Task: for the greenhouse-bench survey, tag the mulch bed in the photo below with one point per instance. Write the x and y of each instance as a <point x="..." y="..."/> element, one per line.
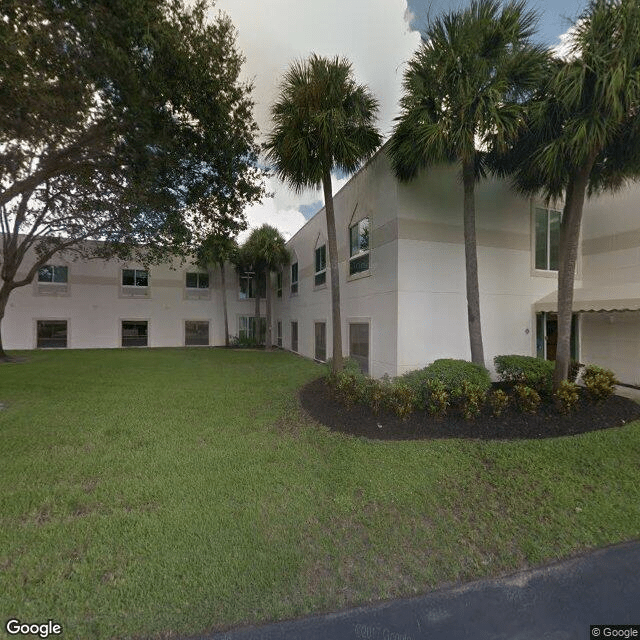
<point x="359" y="420"/>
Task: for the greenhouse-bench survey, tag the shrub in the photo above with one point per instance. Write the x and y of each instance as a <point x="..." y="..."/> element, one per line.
<point x="244" y="342"/>
<point x="451" y="373"/>
<point x="375" y="394"/>
<point x="345" y="387"/>
<point x="567" y="396"/>
<point x="526" y="370"/>
<point x="402" y="399"/>
<point x="498" y="401"/>
<point x="471" y="399"/>
<point x="599" y="382"/>
<point x="574" y="370"/>
<point x="527" y="399"/>
<point x="436" y="398"/>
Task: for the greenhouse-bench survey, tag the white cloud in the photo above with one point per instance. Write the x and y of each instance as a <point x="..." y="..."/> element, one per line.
<point x="564" y="48"/>
<point x="373" y="34"/>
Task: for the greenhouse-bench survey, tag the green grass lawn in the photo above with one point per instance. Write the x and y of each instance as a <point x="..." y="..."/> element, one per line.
<point x="145" y="493"/>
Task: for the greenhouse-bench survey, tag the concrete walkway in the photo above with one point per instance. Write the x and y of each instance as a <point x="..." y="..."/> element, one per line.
<point x="556" y="602"/>
<point x="628" y="392"/>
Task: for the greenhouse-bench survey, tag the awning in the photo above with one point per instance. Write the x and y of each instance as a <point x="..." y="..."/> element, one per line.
<point x="621" y="297"/>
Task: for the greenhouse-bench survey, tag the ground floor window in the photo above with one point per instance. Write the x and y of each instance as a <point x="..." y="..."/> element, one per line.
<point x="52" y="334"/>
<point x="547" y="336"/>
<point x="279" y="333"/>
<point x="135" y="333"/>
<point x="321" y="341"/>
<point x="294" y="336"/>
<point x="359" y="344"/>
<point x="247" y="329"/>
<point x="196" y="333"/>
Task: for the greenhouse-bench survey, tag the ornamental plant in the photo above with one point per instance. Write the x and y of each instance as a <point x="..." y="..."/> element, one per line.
<point x="567" y="396"/>
<point x="600" y="383"/>
<point x="527" y="399"/>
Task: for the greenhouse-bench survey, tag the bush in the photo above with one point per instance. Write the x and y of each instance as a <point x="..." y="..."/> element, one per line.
<point x="375" y="394"/>
<point x="574" y="370"/>
<point x="402" y="399"/>
<point x="244" y="342"/>
<point x="498" y="401"/>
<point x="471" y="399"/>
<point x="599" y="383"/>
<point x="451" y="373"/>
<point x="567" y="396"/>
<point x="526" y="370"/>
<point x="437" y="399"/>
<point x="527" y="399"/>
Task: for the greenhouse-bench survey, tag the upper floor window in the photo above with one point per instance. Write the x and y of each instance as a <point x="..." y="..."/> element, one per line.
<point x="547" y="247"/>
<point x="135" y="278"/>
<point x="359" y="247"/>
<point x="279" y="284"/>
<point x="321" y="265"/>
<point x="248" y="285"/>
<point x="196" y="280"/>
<point x="53" y="273"/>
<point x="294" y="278"/>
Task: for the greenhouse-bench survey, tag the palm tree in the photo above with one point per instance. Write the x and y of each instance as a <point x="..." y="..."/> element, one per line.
<point x="265" y="249"/>
<point x="216" y="249"/>
<point x="582" y="134"/>
<point x="465" y="83"/>
<point x="323" y="120"/>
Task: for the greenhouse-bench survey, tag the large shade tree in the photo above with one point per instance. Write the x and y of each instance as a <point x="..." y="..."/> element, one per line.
<point x="582" y="134"/>
<point x="322" y="120"/>
<point x="464" y="89"/>
<point x="218" y="249"/>
<point x="265" y="250"/>
<point x="121" y="121"/>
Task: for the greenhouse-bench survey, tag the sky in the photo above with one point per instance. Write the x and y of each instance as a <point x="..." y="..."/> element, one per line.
<point x="377" y="36"/>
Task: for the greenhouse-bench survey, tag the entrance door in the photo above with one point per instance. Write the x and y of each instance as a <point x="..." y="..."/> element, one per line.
<point x="547" y="336"/>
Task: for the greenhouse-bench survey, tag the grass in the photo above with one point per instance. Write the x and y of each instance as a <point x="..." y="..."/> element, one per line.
<point x="163" y="493"/>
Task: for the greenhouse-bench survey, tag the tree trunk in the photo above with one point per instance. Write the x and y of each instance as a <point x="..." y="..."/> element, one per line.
<point x="4" y="298"/>
<point x="267" y="274"/>
<point x="471" y="263"/>
<point x="335" y="274"/>
<point x="569" y="237"/>
<point x="224" y="305"/>
<point x="256" y="336"/>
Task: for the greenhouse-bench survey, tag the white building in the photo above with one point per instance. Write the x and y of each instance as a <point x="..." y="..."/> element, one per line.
<point x="402" y="276"/>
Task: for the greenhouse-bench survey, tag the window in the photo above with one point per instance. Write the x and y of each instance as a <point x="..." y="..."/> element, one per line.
<point x="51" y="334"/>
<point x="247" y="329"/>
<point x="321" y="265"/>
<point x="294" y="336"/>
<point x="196" y="280"/>
<point x="53" y="273"/>
<point x="359" y="344"/>
<point x="359" y="247"/>
<point x="279" y="284"/>
<point x="248" y="285"/>
<point x="135" y="278"/>
<point x="547" y="336"/>
<point x="279" y="333"/>
<point x="547" y="239"/>
<point x="294" y="278"/>
<point x="321" y="341"/>
<point x="196" y="333"/>
<point x="135" y="333"/>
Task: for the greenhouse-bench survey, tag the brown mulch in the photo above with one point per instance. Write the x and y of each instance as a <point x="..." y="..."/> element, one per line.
<point x="359" y="420"/>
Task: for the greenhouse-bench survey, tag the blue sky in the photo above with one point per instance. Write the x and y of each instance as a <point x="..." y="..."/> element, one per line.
<point x="377" y="36"/>
<point x="554" y="16"/>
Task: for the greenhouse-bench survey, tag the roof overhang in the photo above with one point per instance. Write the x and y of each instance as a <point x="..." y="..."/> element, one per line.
<point x="623" y="297"/>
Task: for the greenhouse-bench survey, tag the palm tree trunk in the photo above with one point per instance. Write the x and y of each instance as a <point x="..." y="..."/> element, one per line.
<point x="569" y="237"/>
<point x="335" y="274"/>
<point x="256" y="336"/>
<point x="4" y="298"/>
<point x="224" y="305"/>
<point x="471" y="263"/>
<point x="267" y="273"/>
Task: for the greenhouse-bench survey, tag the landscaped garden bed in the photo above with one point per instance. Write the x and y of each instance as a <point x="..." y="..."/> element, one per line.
<point x="456" y="399"/>
<point x="359" y="420"/>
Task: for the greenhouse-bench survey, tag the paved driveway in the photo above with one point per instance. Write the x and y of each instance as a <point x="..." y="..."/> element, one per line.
<point x="557" y="602"/>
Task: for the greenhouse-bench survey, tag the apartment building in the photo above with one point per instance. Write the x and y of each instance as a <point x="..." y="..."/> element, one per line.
<point x="402" y="283"/>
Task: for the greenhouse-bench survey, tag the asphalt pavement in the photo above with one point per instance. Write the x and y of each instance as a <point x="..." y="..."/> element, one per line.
<point x="556" y="602"/>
